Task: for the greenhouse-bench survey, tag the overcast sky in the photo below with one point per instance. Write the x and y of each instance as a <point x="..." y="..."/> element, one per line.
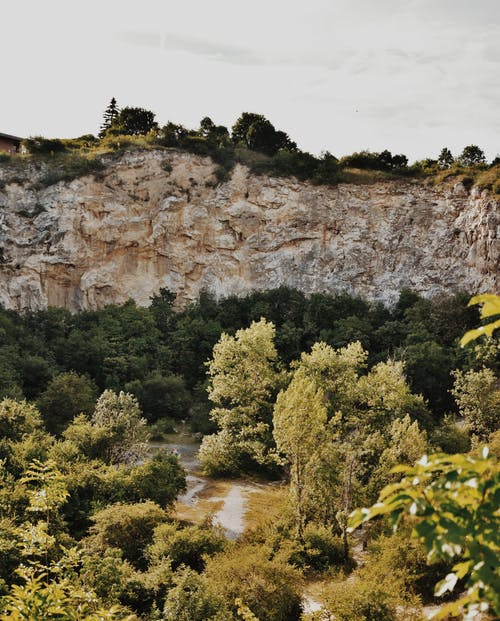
<point x="343" y="75"/>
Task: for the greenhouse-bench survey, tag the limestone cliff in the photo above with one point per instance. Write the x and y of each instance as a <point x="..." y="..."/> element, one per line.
<point x="156" y="219"/>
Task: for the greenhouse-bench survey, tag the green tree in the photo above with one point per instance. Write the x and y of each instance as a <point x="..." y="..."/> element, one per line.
<point x="452" y="503"/>
<point x="134" y="121"/>
<point x="110" y="115"/>
<point x="472" y="155"/>
<point x="129" y="527"/>
<point x="445" y="159"/>
<point x="120" y="416"/>
<point x="299" y="426"/>
<point x="66" y="395"/>
<point x="162" y="396"/>
<point x="243" y="377"/>
<point x="478" y="399"/>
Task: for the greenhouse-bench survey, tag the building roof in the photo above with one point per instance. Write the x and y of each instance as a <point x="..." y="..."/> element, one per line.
<point x="9" y="137"/>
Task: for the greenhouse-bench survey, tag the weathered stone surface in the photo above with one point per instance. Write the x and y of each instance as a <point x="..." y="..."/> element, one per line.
<point x="90" y="242"/>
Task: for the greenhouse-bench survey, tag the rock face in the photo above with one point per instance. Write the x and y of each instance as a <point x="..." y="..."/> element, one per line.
<point x="156" y="219"/>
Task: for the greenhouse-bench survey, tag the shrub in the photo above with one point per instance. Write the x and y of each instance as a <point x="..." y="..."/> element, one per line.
<point x="128" y="527"/>
<point x="270" y="588"/>
<point x="67" y="395"/>
<point x="192" y="600"/>
<point x="186" y="546"/>
<point x="319" y="550"/>
<point x="38" y="145"/>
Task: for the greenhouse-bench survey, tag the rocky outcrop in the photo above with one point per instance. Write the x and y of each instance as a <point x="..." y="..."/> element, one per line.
<point x="156" y="219"/>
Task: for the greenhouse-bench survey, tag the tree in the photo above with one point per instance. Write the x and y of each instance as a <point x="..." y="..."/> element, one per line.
<point x="190" y="599"/>
<point x="452" y="503"/>
<point x="18" y="419"/>
<point x="445" y="159"/>
<point x="120" y="415"/>
<point x="129" y="527"/>
<point x="110" y="115"/>
<point x="243" y="378"/>
<point x="299" y="423"/>
<point x="478" y="399"/>
<point x="472" y="155"/>
<point x="67" y="395"/>
<point x="259" y="134"/>
<point x="240" y="129"/>
<point x="134" y="121"/>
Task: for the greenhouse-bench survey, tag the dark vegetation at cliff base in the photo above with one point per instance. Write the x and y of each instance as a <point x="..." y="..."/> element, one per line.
<point x="63" y="360"/>
<point x="253" y="141"/>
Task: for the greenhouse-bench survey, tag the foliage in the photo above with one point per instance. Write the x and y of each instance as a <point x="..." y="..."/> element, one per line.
<point x="299" y="423"/>
<point x="66" y="395"/>
<point x="128" y="527"/>
<point x="192" y="600"/>
<point x="490" y="308"/>
<point x="445" y="159"/>
<point x="162" y="396"/>
<point x="17" y="419"/>
<point x="452" y="502"/>
<point x="133" y="122"/>
<point x="319" y="548"/>
<point x="38" y="600"/>
<point x="478" y="399"/>
<point x="187" y="546"/>
<point x="110" y="115"/>
<point x="268" y="587"/>
<point x="472" y="155"/>
<point x="38" y="145"/>
<point x="120" y="416"/>
<point x="242" y="380"/>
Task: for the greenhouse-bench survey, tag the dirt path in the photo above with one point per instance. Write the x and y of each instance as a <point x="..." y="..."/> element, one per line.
<point x="225" y="500"/>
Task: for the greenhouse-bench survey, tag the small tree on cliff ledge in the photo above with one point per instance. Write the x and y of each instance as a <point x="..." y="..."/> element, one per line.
<point x="110" y="114"/>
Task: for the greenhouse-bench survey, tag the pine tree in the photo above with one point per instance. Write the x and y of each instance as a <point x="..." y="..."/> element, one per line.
<point x="111" y="113"/>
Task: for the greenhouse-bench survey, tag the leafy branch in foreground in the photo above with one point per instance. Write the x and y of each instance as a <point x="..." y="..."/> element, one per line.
<point x="452" y="502"/>
<point x="490" y="308"/>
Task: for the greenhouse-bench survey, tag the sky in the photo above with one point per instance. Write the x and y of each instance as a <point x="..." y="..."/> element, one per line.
<point x="411" y="76"/>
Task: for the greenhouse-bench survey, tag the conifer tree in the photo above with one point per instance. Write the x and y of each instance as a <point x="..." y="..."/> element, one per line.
<point x="110" y="114"/>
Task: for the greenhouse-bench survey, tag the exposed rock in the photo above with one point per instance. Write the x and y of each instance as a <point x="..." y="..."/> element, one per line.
<point x="137" y="227"/>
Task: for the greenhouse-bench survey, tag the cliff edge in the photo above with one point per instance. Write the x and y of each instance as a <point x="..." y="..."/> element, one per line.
<point x="156" y="219"/>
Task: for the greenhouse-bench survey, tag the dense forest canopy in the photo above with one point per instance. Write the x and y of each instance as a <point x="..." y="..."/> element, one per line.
<point x="63" y="361"/>
<point x="328" y="392"/>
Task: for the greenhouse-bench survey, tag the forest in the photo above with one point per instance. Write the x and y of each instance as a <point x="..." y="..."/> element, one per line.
<point x="329" y="402"/>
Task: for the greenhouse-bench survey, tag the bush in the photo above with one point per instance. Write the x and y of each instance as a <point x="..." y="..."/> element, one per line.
<point x="192" y="600"/>
<point x="67" y="168"/>
<point x="320" y="549"/>
<point x="128" y="527"/>
<point x="38" y="145"/>
<point x="270" y="588"/>
<point x="186" y="546"/>
<point x="67" y="395"/>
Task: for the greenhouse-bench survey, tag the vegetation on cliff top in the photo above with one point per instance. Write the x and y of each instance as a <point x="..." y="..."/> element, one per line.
<point x="253" y="141"/>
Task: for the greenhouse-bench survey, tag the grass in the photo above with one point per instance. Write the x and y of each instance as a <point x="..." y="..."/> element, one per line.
<point x="364" y="177"/>
<point x="265" y="504"/>
<point x="84" y="157"/>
